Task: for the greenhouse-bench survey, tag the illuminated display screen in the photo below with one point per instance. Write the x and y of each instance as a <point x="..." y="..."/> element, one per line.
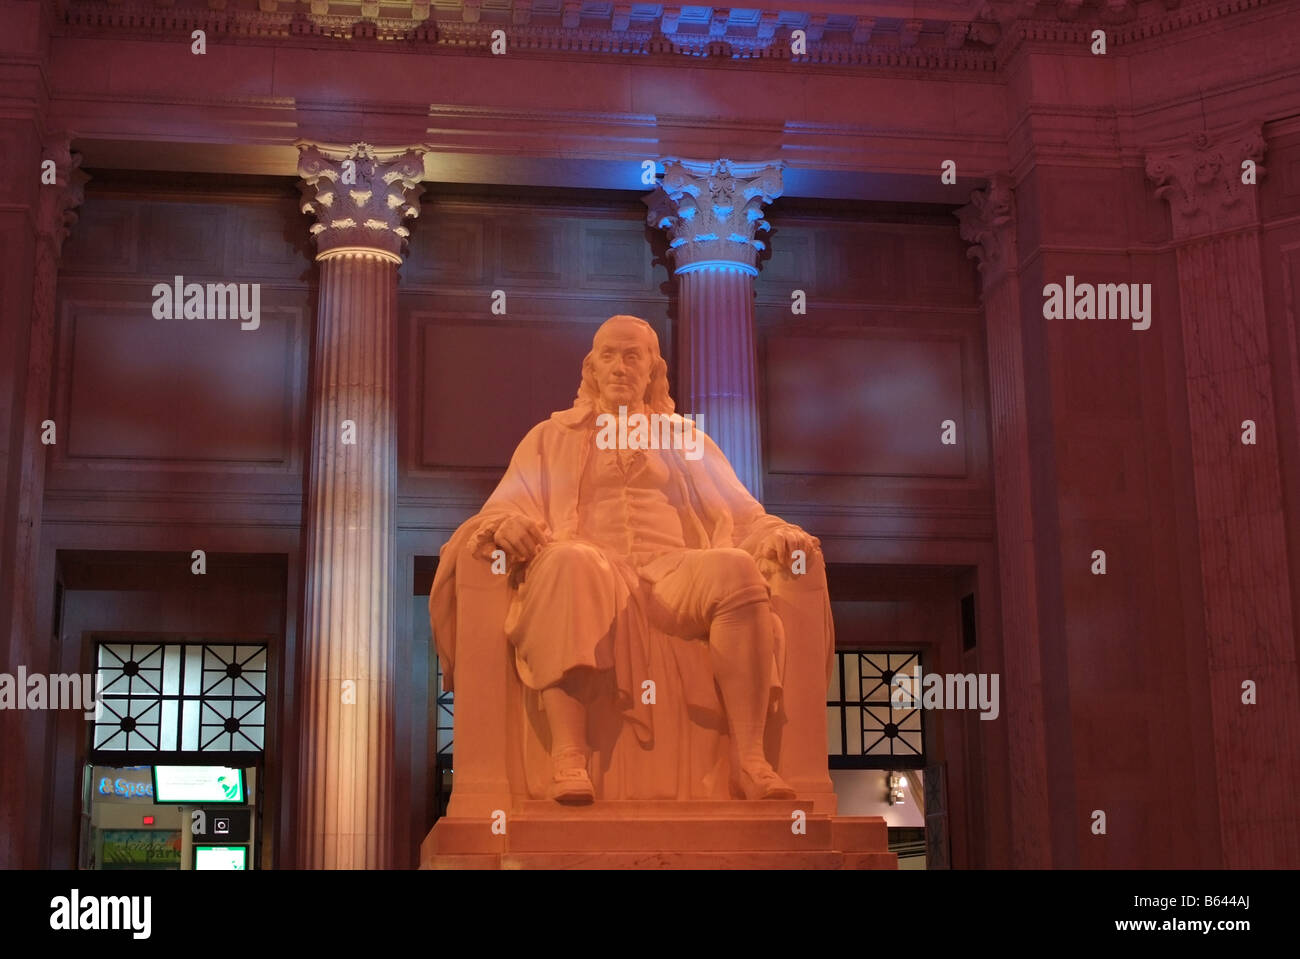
<point x="198" y="784"/>
<point x="221" y="857"/>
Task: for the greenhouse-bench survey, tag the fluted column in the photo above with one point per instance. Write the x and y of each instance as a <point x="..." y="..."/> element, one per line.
<point x="56" y="214"/>
<point x="988" y="224"/>
<point x="45" y="187"/>
<point x="360" y="197"/>
<point x="1241" y="512"/>
<point x="712" y="211"/>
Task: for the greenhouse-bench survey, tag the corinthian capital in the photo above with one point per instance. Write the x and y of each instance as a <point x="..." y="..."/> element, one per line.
<point x="1202" y="178"/>
<point x="988" y="224"/>
<point x="360" y="196"/>
<point x="712" y="211"/>
<point x="59" y="200"/>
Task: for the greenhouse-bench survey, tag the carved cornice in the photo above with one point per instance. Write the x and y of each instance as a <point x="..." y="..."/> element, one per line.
<point x="1041" y="23"/>
<point x="964" y="42"/>
<point x="887" y="49"/>
<point x="712" y="211"/>
<point x="1201" y="178"/>
<point x="988" y="224"/>
<point x="58" y="201"/>
<point x="360" y="196"/>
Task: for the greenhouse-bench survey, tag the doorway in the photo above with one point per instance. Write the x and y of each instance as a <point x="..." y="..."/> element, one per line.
<point x="177" y="765"/>
<point x="170" y="817"/>
<point x="915" y="760"/>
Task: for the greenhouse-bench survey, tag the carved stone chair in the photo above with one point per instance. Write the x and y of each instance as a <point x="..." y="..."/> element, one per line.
<point x="500" y="736"/>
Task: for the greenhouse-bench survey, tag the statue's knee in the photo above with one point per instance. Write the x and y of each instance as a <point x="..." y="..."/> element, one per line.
<point x="568" y="559"/>
<point x="738" y="565"/>
<point x="733" y="573"/>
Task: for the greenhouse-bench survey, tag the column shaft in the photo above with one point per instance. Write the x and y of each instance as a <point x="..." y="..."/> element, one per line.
<point x="1240" y="509"/>
<point x="1018" y="550"/>
<point x="360" y="197"/>
<point x="56" y="215"/>
<point x="988" y="223"/>
<point x="713" y="211"/>
<point x="346" y="720"/>
<point x="717" y="364"/>
<point x="20" y="732"/>
<point x="1249" y="622"/>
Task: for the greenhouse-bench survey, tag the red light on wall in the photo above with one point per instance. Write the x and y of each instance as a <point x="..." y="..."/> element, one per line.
<point x="148" y="820"/>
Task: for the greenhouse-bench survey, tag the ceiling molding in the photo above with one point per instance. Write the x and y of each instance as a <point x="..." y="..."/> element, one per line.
<point x="960" y="36"/>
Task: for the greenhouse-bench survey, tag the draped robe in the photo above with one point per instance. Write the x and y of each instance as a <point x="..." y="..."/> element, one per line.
<point x="542" y="484"/>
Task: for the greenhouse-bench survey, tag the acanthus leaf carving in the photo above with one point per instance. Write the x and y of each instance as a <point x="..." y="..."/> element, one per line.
<point x="57" y="212"/>
<point x="1202" y="180"/>
<point x="360" y="196"/>
<point x="988" y="224"/>
<point x="713" y="210"/>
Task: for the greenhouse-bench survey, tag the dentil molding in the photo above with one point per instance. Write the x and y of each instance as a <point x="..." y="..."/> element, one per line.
<point x="980" y="35"/>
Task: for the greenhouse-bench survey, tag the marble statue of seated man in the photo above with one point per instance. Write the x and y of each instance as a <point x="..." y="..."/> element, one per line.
<point x="589" y="529"/>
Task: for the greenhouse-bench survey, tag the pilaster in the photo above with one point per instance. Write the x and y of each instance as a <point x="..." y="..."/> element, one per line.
<point x="1209" y="180"/>
<point x="988" y="223"/>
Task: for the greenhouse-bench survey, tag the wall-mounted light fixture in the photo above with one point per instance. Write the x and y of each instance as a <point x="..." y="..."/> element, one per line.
<point x="897" y="783"/>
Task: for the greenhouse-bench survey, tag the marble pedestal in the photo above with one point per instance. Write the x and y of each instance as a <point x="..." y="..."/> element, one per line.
<point x="660" y="834"/>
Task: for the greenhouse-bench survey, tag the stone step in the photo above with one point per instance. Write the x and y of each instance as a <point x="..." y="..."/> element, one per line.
<point x="448" y="861"/>
<point x="627" y="809"/>
<point x="668" y="860"/>
<point x="677" y="834"/>
<point x="870" y="860"/>
<point x="462" y="837"/>
<point x="674" y="860"/>
<point x="859" y="833"/>
<point x="571" y="831"/>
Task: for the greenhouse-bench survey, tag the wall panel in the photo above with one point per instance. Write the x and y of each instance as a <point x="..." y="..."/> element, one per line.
<point x="863" y="405"/>
<point x="856" y="388"/>
<point x="181" y="410"/>
<point x="154" y="394"/>
<point x="473" y="381"/>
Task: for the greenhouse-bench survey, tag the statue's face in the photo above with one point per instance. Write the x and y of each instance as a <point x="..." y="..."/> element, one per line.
<point x="621" y="358"/>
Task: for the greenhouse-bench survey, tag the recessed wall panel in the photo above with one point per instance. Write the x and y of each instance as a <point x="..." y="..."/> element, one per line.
<point x="872" y="405"/>
<point x="175" y="391"/>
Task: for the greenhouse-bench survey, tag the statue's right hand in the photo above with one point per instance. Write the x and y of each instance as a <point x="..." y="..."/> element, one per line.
<point x="521" y="538"/>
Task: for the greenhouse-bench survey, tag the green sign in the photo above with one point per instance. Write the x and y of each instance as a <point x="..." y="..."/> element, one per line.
<point x="221" y="857"/>
<point x="198" y="784"/>
<point x="141" y="849"/>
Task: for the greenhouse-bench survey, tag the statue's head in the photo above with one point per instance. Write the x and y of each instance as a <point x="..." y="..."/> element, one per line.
<point x="624" y="367"/>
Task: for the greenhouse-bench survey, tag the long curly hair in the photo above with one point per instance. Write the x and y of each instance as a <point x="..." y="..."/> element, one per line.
<point x="657" y="399"/>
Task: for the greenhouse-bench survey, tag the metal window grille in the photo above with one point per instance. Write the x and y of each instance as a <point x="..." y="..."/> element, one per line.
<point x="863" y="726"/>
<point x="864" y="729"/>
<point x="443" y="715"/>
<point x="181" y="697"/>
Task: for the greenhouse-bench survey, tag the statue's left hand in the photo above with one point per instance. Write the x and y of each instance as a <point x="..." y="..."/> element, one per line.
<point x="779" y="545"/>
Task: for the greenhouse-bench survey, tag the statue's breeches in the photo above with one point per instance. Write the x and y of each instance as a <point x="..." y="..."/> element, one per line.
<point x="576" y="601"/>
